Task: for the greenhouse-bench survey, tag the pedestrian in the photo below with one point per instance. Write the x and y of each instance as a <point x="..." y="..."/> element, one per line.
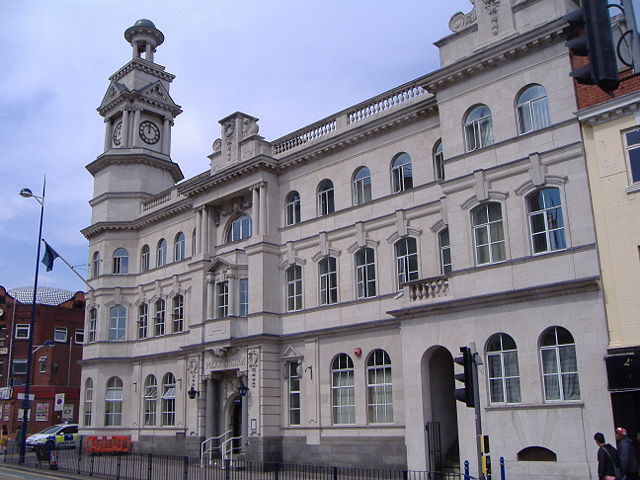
<point x="4" y="439"/>
<point x="627" y="455"/>
<point x="608" y="460"/>
<point x="18" y="437"/>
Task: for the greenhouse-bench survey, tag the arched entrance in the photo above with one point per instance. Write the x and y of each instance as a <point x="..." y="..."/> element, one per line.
<point x="440" y="413"/>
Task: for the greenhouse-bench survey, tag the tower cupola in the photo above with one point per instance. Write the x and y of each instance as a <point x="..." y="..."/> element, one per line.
<point x="144" y="37"/>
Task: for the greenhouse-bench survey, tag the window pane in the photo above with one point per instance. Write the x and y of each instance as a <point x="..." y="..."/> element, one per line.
<point x="551" y="387"/>
<point x="570" y="386"/>
<point x="513" y="390"/>
<point x="549" y="364"/>
<point x="496" y="391"/>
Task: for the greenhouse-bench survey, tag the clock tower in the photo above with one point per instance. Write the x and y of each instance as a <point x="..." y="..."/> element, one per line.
<point x="138" y="114"/>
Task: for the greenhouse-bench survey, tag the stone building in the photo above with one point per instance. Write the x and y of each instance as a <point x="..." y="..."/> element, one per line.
<point x="58" y="335"/>
<point x="332" y="274"/>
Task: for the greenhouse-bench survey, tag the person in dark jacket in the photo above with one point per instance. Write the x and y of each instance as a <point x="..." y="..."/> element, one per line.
<point x="607" y="458"/>
<point x="627" y="455"/>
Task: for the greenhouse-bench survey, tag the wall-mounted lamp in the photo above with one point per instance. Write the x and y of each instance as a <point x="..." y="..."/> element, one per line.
<point x="242" y="389"/>
<point x="193" y="393"/>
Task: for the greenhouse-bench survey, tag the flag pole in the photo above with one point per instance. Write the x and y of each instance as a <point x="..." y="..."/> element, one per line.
<point x="70" y="267"/>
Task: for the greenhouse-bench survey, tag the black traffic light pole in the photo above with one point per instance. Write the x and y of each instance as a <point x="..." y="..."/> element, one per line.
<point x="470" y="394"/>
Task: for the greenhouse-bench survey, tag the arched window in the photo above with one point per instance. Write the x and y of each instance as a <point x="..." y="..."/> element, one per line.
<point x="159" y="317"/>
<point x="150" y="400"/>
<point x="401" y="173"/>
<point x="361" y="186"/>
<point x="537" y="454"/>
<point x="502" y="367"/>
<point x="292" y="208"/>
<point x="294" y="288"/>
<point x="379" y="388"/>
<point x="559" y="365"/>
<point x="545" y="220"/>
<point x="478" y="128"/>
<point x="88" y="402"/>
<point x="145" y="258"/>
<point x="445" y="251"/>
<point x="328" y="281"/>
<point x="113" y="403"/>
<point x="488" y="233"/>
<point x="161" y="253"/>
<point x="239" y="229"/>
<point x="120" y="261"/>
<point x="365" y="261"/>
<point x="438" y="161"/>
<point x="325" y="198"/>
<point x="532" y="107"/>
<point x="343" y="406"/>
<point x="95" y="265"/>
<point x="93" y="320"/>
<point x="117" y="323"/>
<point x="406" y="260"/>
<point x="178" y="314"/>
<point x="143" y="321"/>
<point x="179" y="247"/>
<point x="168" y="400"/>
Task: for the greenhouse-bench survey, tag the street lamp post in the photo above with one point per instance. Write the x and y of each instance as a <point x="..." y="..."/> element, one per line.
<point x="26" y="193"/>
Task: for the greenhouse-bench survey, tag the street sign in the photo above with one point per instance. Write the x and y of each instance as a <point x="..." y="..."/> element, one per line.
<point x="58" y="405"/>
<point x="31" y="396"/>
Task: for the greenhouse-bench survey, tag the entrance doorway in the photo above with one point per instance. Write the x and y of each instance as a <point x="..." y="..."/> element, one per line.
<point x="440" y="413"/>
<point x="235" y="422"/>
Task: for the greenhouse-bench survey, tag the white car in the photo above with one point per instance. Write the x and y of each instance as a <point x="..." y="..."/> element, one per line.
<point x="59" y="436"/>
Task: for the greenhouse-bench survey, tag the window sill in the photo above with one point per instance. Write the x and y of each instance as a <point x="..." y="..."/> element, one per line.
<point x="535" y="406"/>
<point x="633" y="188"/>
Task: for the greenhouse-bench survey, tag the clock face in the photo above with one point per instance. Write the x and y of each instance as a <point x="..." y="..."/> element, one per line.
<point x="117" y="134"/>
<point x="149" y="132"/>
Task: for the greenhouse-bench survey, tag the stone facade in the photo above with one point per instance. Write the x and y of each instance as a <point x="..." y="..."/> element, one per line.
<point x="339" y="296"/>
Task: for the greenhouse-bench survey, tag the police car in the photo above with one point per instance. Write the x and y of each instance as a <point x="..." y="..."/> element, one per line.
<point x="59" y="436"/>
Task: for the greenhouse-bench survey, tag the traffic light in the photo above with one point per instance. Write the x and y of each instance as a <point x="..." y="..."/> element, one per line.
<point x="465" y="394"/>
<point x="591" y="27"/>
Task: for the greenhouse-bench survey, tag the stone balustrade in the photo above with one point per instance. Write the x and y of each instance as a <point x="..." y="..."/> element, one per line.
<point x="428" y="288"/>
<point x="347" y="119"/>
<point x="157" y="200"/>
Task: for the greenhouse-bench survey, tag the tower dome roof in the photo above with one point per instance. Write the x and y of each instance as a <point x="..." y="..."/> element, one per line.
<point x="143" y="22"/>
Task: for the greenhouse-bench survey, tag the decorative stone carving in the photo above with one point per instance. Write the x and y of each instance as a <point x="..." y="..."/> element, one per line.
<point x="217" y="145"/>
<point x="460" y="21"/>
<point x="238" y="205"/>
<point x="249" y="127"/>
<point x="228" y="130"/>
<point x="492" y="6"/>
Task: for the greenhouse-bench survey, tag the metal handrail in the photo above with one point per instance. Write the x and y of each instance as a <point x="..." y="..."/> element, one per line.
<point x="204" y="450"/>
<point x="227" y="449"/>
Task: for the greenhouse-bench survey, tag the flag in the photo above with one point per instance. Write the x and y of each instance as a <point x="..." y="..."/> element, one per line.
<point x="49" y="256"/>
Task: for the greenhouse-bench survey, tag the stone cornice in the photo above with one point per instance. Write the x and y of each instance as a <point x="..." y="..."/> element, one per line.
<point x="134" y="96"/>
<point x="611" y="109"/>
<point x="206" y="181"/>
<point x="539" y="292"/>
<point x="137" y="156"/>
<point x="139" y="223"/>
<point x="144" y="66"/>
<point x="494" y="55"/>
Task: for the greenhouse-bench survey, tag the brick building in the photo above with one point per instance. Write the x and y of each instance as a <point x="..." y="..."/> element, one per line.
<point x="57" y="347"/>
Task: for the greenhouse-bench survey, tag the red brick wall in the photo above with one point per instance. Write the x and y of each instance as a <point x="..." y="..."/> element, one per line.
<point x="588" y="95"/>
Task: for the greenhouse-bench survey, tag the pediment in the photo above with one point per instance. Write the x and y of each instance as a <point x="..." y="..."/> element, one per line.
<point x="290" y="353"/>
<point x="156" y="91"/>
<point x="114" y="90"/>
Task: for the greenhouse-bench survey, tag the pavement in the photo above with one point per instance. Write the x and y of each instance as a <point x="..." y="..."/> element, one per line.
<point x="42" y="471"/>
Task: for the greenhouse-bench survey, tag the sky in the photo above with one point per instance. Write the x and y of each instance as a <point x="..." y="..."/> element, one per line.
<point x="286" y="62"/>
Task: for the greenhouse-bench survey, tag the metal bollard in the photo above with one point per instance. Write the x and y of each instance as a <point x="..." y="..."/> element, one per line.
<point x="466" y="470"/>
<point x="503" y="475"/>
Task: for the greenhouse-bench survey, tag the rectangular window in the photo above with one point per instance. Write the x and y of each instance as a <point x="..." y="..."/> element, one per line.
<point x="93" y="318"/>
<point x="178" y="314"/>
<point x="244" y="297"/>
<point x="143" y="321"/>
<point x="445" y="252"/>
<point x="294" y="288"/>
<point x="328" y="281"/>
<point x="365" y="273"/>
<point x="79" y="337"/>
<point x="159" y="318"/>
<point x="632" y="142"/>
<point x="223" y="299"/>
<point x="22" y="331"/>
<point x="60" y="334"/>
<point x="19" y="366"/>
<point x="294" y="392"/>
